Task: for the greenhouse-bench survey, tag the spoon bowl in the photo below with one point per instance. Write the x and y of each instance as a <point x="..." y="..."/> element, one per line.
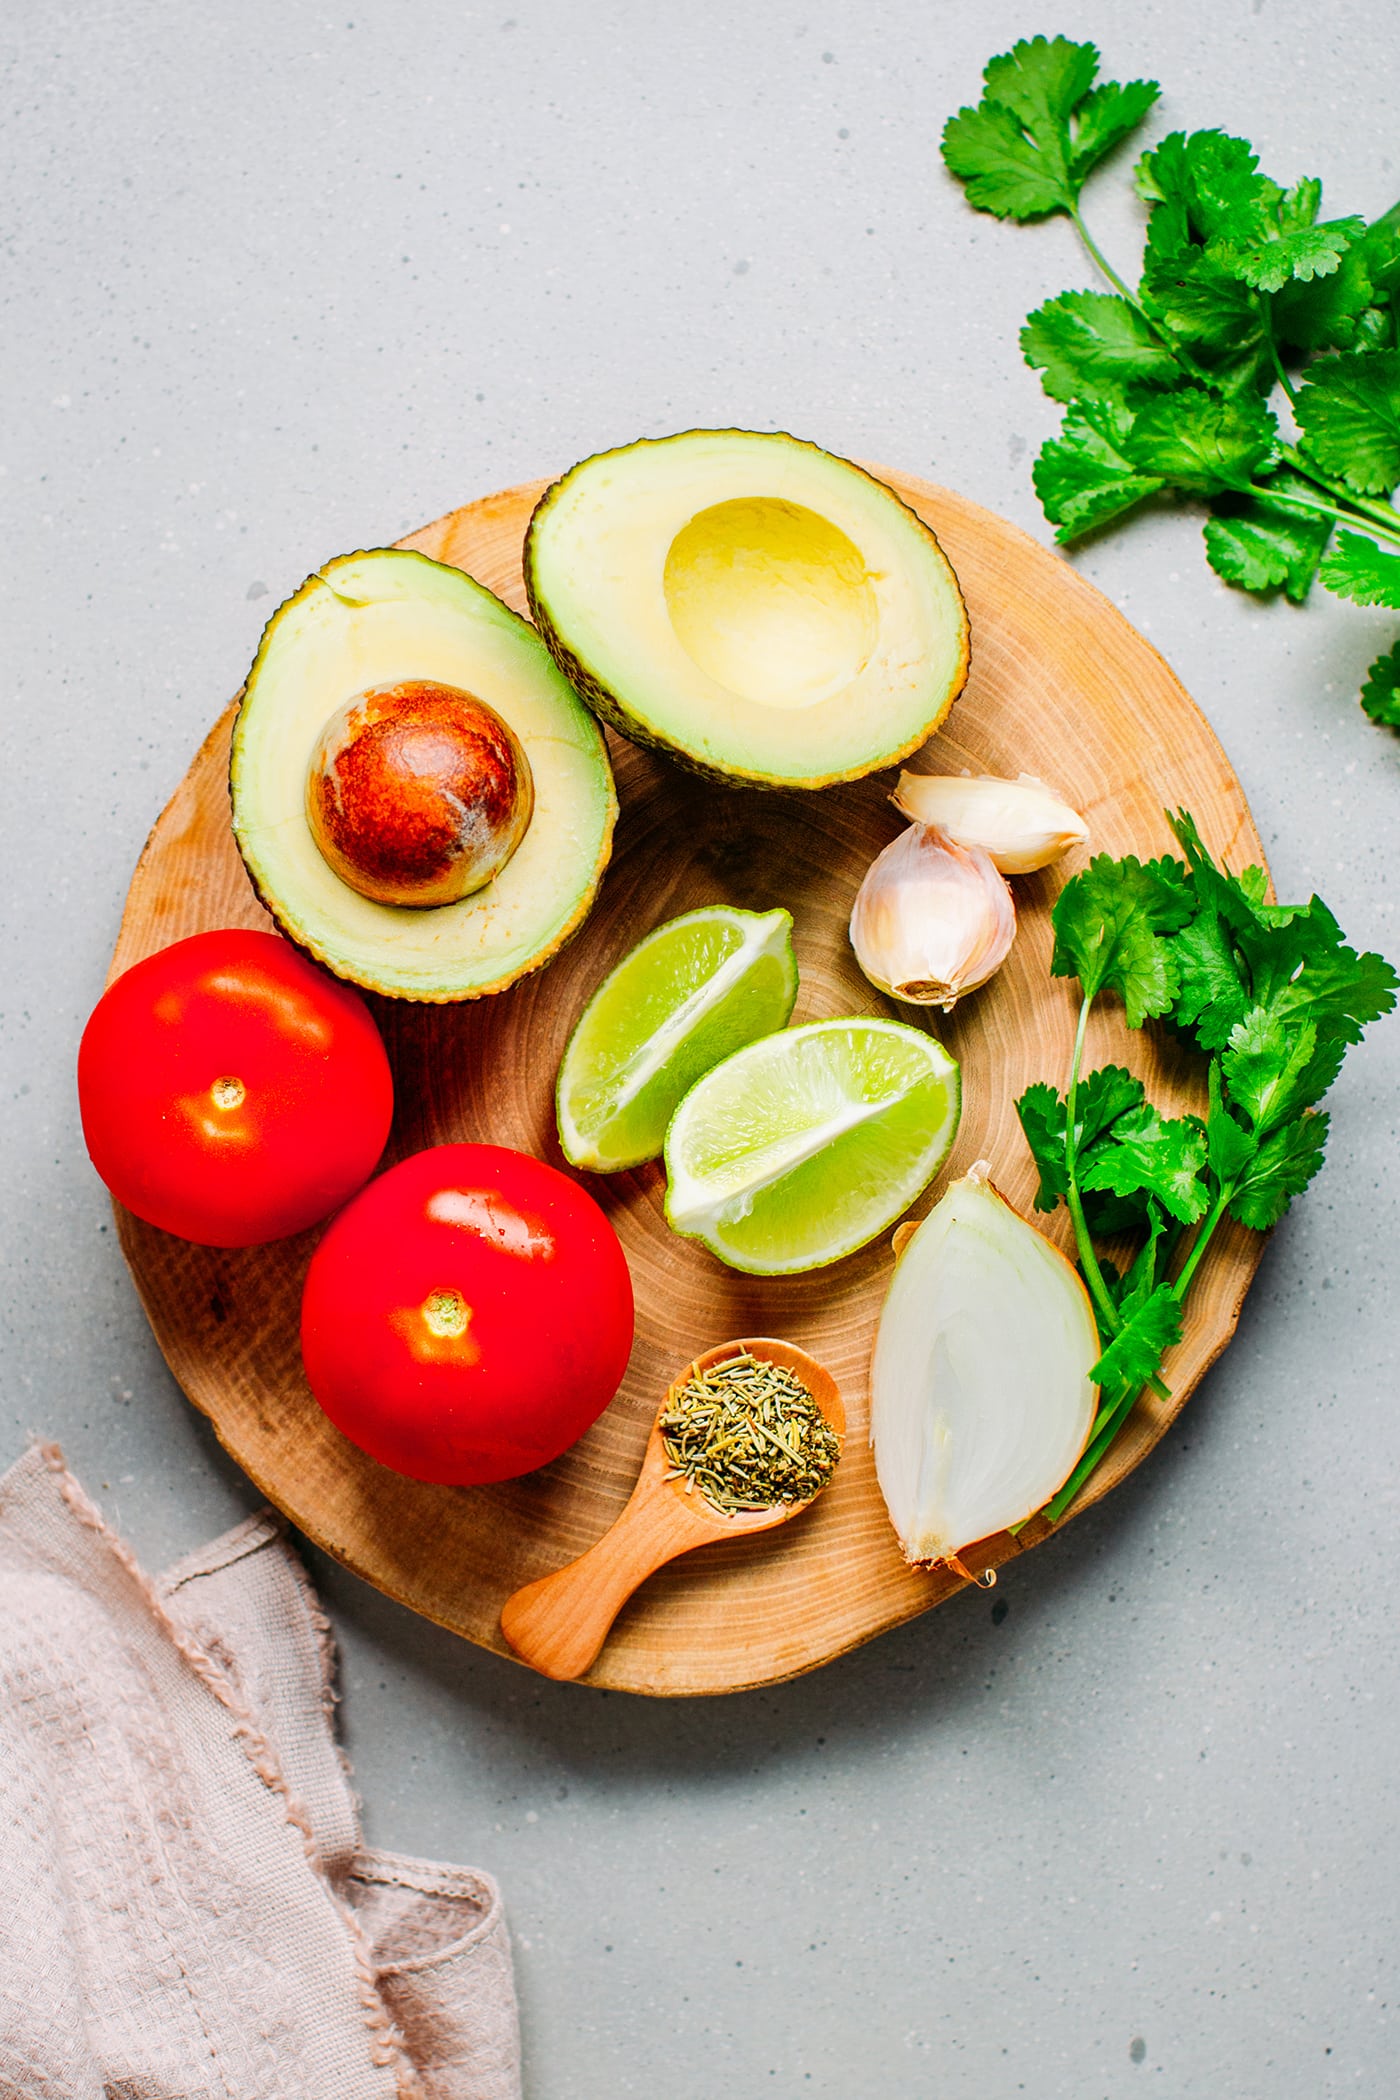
<point x="559" y="1623"/>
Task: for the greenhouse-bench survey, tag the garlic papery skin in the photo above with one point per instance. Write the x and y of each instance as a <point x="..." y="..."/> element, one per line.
<point x="1019" y="824"/>
<point x="932" y="919"/>
<point x="981" y="1399"/>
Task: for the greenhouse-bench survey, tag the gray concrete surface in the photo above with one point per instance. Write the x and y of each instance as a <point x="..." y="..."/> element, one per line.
<point x="287" y="279"/>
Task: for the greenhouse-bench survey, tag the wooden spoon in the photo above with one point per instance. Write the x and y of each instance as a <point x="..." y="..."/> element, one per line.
<point x="559" y="1623"/>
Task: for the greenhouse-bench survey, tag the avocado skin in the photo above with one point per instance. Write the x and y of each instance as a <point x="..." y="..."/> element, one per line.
<point x="326" y="958"/>
<point x="602" y="702"/>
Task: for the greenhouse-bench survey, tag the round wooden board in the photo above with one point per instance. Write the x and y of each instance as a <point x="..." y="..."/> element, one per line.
<point x="1061" y="686"/>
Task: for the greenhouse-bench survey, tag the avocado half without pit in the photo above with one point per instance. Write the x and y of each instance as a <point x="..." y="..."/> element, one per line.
<point x="760" y="609"/>
<point x="421" y="801"/>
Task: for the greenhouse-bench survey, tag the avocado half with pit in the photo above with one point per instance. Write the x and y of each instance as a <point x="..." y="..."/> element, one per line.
<point x="756" y="607"/>
<point x="392" y="621"/>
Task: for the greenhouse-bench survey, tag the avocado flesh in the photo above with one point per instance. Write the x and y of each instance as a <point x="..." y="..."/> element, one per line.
<point x="764" y="611"/>
<point x="375" y="618"/>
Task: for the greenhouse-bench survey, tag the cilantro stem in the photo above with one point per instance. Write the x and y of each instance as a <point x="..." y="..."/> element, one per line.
<point x="1109" y="1420"/>
<point x="1190" y="365"/>
<point x="1203" y="1240"/>
<point x="1107" y="1423"/>
<point x="1384" y="515"/>
<point x="1266" y="318"/>
<point x="1097" y="255"/>
<point x="1104" y="1307"/>
<point x="1381" y="518"/>
<point x="1354" y="515"/>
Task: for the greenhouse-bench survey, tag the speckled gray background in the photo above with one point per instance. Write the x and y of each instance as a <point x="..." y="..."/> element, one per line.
<point x="281" y="281"/>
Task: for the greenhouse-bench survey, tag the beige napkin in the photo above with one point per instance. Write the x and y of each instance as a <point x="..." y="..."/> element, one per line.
<point x="186" y="1910"/>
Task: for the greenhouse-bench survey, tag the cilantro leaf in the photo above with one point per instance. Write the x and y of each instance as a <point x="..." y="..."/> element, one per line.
<point x="1040" y="80"/>
<point x="1204" y="186"/>
<point x="1336" y="989"/>
<point x="1300" y="206"/>
<point x="1274" y="1067"/>
<point x="1358" y="569"/>
<point x="1305" y="253"/>
<point x="1141" y="1280"/>
<point x="1218" y="233"/>
<point x="1163" y="1158"/>
<point x="1349" y="411"/>
<point x="1281" y="1169"/>
<point x="1290" y="961"/>
<point x="1261" y="544"/>
<point x="1162" y="180"/>
<point x="1083" y="477"/>
<point x="1006" y="173"/>
<point x="1238" y="901"/>
<point x="1229" y="1146"/>
<point x="1228" y="199"/>
<point x="1212" y="996"/>
<point x="1382" y="248"/>
<point x="1325" y="312"/>
<point x="1089" y="343"/>
<point x="1042" y="1113"/>
<point x="1211" y="315"/>
<point x="1380" y="696"/>
<point x="1040" y="128"/>
<point x="1104" y="119"/>
<point x="1099" y="1101"/>
<point x="1133" y="1355"/>
<point x="1376" y="329"/>
<point x="1106" y="924"/>
<point x="1105" y="1099"/>
<point x="1198" y="441"/>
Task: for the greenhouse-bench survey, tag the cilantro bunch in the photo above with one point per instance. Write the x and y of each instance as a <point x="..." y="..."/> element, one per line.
<point x="1248" y="304"/>
<point x="1273" y="997"/>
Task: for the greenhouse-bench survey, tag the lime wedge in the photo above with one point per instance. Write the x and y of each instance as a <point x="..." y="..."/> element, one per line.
<point x="802" y="1147"/>
<point x="687" y="996"/>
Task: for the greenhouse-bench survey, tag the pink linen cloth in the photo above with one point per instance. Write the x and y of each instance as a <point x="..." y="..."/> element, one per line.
<point x="186" y="1909"/>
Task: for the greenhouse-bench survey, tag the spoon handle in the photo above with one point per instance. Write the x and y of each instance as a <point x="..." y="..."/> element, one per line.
<point x="559" y="1623"/>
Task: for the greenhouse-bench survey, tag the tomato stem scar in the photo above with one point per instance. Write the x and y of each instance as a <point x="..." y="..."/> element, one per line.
<point x="445" y="1313"/>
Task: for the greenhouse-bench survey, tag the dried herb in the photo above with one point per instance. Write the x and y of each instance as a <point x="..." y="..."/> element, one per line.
<point x="749" y="1434"/>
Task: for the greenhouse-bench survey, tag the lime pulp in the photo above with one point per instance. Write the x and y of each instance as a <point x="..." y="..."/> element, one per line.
<point x="801" y="1147"/>
<point x="685" y="998"/>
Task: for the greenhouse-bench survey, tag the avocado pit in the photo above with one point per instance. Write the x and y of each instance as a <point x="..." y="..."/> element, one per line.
<point x="417" y="793"/>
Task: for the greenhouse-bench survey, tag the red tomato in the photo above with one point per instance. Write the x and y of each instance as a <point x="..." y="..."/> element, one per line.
<point x="231" y="1091"/>
<point x="468" y="1315"/>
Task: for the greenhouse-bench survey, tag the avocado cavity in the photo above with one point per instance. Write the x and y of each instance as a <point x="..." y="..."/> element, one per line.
<point x="772" y="601"/>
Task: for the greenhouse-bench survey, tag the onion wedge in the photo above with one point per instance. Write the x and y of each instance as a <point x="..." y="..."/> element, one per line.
<point x="981" y="1399"/>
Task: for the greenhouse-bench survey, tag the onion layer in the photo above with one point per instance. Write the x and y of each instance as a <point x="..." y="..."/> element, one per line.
<point x="981" y="1399"/>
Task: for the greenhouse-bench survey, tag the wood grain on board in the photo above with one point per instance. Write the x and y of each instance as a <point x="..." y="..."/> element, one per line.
<point x="1061" y="686"/>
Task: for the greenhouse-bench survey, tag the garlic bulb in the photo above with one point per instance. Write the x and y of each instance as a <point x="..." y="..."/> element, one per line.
<point x="1019" y="824"/>
<point x="981" y="1399"/>
<point x="932" y="919"/>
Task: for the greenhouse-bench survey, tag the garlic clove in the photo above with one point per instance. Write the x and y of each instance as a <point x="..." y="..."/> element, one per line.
<point x="1021" y="824"/>
<point x="981" y="1399"/>
<point x="932" y="920"/>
